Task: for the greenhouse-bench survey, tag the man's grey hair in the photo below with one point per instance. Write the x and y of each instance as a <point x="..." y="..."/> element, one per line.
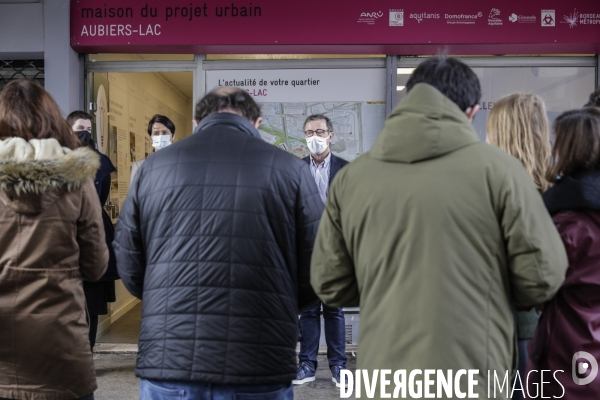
<point x="319" y="117"/>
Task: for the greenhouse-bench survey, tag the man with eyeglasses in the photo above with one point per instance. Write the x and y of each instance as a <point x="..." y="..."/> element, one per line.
<point x="318" y="131"/>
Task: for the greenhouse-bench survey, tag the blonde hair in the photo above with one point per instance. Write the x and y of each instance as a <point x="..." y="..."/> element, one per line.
<point x="518" y="125"/>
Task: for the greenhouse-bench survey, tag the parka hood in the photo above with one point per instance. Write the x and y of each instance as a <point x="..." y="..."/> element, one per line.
<point x="33" y="174"/>
<point x="426" y="124"/>
<point x="577" y="192"/>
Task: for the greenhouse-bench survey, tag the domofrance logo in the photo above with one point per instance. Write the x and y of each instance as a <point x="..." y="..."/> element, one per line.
<point x="580" y="368"/>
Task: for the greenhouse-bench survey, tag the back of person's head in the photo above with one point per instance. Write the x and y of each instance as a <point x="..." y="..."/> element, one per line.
<point x="518" y="125"/>
<point x="576" y="142"/>
<point x="29" y="112"/>
<point x="233" y="100"/>
<point x="161" y="119"/>
<point x="594" y="100"/>
<point x="453" y="78"/>
<point x="75" y="115"/>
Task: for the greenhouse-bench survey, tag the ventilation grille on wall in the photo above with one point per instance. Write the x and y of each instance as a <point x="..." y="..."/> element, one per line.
<point x="21" y="69"/>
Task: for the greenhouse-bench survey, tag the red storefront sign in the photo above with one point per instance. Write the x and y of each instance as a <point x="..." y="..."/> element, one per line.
<point x="318" y="26"/>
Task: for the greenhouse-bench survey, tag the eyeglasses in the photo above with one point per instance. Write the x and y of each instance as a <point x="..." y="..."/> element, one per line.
<point x="319" y="132"/>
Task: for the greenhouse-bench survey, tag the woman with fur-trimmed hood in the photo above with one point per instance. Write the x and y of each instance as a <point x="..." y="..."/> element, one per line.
<point x="51" y="235"/>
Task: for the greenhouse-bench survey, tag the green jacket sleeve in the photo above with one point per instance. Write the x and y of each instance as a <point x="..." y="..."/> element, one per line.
<point x="536" y="256"/>
<point x="332" y="269"/>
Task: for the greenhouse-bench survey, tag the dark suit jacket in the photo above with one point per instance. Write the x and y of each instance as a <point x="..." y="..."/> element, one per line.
<point x="335" y="165"/>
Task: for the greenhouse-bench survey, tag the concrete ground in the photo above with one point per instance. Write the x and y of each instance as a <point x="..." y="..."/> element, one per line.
<point x="117" y="381"/>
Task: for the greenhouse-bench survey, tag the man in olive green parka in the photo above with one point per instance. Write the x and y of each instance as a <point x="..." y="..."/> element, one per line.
<point x="436" y="236"/>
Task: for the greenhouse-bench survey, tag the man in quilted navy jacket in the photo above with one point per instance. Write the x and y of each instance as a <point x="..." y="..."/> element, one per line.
<point x="216" y="236"/>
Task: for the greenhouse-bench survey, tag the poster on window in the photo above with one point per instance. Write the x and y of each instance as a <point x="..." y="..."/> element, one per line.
<point x="353" y="99"/>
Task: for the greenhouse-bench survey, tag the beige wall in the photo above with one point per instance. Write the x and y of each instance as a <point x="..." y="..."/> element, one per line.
<point x="139" y="96"/>
<point x="161" y="89"/>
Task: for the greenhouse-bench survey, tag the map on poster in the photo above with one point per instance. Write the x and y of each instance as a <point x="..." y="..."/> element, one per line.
<point x="283" y="126"/>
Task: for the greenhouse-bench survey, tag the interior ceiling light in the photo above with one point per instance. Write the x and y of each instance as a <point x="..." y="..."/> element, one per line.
<point x="405" y="71"/>
<point x="399" y="88"/>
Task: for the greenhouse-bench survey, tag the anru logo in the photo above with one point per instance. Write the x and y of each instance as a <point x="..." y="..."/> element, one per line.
<point x="513" y="17"/>
<point x="372" y="15"/>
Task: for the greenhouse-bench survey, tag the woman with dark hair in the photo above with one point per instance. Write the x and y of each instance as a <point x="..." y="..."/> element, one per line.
<point x="98" y="294"/>
<point x="162" y="131"/>
<point x="51" y="235"/>
<point x="570" y="322"/>
<point x="594" y="99"/>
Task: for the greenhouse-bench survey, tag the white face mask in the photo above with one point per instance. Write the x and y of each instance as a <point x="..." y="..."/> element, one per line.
<point x="161" y="141"/>
<point x="316" y="144"/>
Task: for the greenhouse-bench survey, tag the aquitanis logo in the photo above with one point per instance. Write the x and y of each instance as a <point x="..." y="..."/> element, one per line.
<point x="421" y="16"/>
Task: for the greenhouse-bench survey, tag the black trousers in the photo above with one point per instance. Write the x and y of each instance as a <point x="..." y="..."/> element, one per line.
<point x="93" y="330"/>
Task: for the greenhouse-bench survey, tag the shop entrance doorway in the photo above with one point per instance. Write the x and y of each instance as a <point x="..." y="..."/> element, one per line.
<point x="124" y="92"/>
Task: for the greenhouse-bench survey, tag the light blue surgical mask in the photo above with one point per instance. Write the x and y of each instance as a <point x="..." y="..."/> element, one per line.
<point x="161" y="141"/>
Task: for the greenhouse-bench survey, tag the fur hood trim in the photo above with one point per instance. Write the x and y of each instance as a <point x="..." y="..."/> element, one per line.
<point x="41" y="165"/>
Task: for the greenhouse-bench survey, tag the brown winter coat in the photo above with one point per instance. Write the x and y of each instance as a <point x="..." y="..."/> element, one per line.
<point x="51" y="235"/>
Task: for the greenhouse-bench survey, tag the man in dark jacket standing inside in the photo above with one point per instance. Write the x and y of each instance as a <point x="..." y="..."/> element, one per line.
<point x="318" y="131"/>
<point x="436" y="235"/>
<point x="216" y="237"/>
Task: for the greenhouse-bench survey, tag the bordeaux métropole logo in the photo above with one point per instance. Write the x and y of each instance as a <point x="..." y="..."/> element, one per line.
<point x="438" y="384"/>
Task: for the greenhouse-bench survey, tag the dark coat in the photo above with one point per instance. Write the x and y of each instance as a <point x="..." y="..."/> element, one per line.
<point x="51" y="235"/>
<point x="102" y="183"/>
<point x="571" y="320"/>
<point x="336" y="164"/>
<point x="216" y="235"/>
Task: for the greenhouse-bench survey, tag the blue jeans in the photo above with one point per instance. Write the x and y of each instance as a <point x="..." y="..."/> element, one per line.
<point x="335" y="335"/>
<point x="177" y="390"/>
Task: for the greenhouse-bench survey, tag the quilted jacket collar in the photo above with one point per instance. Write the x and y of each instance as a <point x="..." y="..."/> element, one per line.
<point x="228" y="119"/>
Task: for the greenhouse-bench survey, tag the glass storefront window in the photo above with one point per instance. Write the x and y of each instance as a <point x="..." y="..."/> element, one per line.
<point x="562" y="88"/>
